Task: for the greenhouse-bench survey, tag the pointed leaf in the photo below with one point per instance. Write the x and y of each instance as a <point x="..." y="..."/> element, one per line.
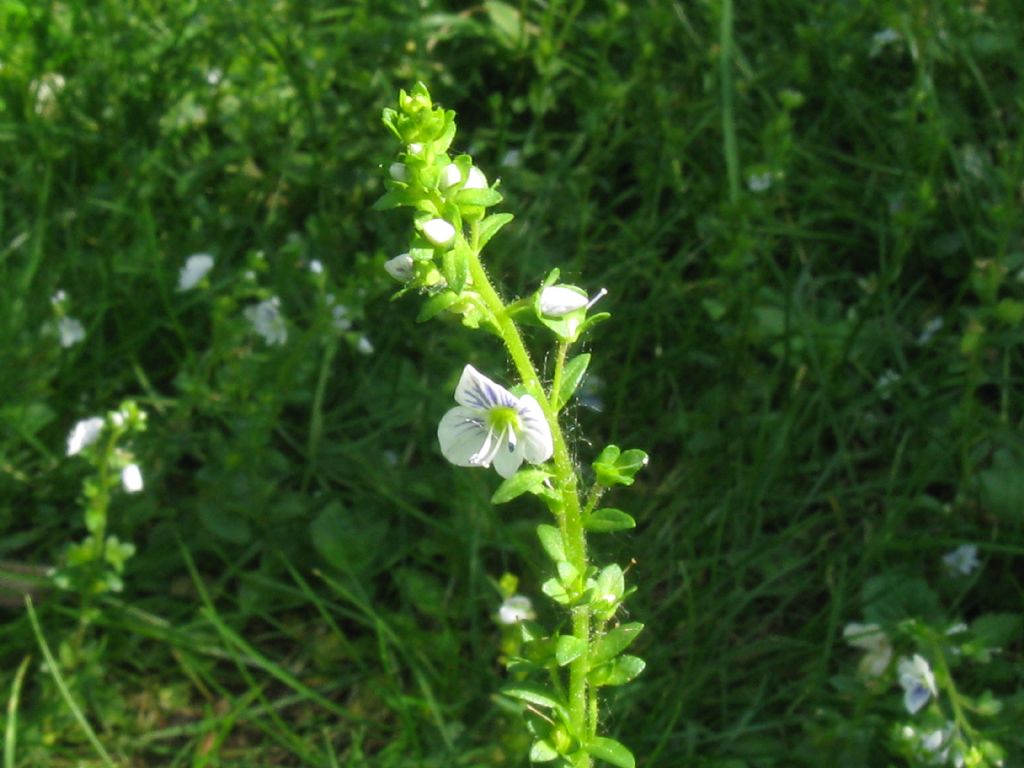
<point x="543" y="751"/>
<point x="523" y="481"/>
<point x="569" y="649"/>
<point x="435" y="305"/>
<point x="489" y="227"/>
<point x="537" y="696"/>
<point x="611" y="644"/>
<point x="609" y="521"/>
<point x="483" y="198"/>
<point x="571" y="378"/>
<point x="551" y="540"/>
<point x="611" y="751"/>
<point x="553" y="588"/>
<point x="617" y="672"/>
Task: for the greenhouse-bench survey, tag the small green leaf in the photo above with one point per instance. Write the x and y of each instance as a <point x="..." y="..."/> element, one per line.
<point x="543" y="751"/>
<point x="571" y="378"/>
<point x="437" y="304"/>
<point x="611" y="644"/>
<point x="455" y="266"/>
<point x="395" y="198"/>
<point x="569" y="649"/>
<point x="609" y="521"/>
<point x="615" y="467"/>
<point x="611" y="751"/>
<point x="617" y="672"/>
<point x="567" y="573"/>
<point x="524" y="481"/>
<point x="482" y="198"/>
<point x="489" y="227"/>
<point x="553" y="588"/>
<point x="537" y="696"/>
<point x="551" y="540"/>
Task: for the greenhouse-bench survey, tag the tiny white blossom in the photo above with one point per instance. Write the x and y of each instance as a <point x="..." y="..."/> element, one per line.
<point x="918" y="682"/>
<point x="400" y="267"/>
<point x="83" y="434"/>
<point x="963" y="560"/>
<point x="515" y="609"/>
<point x="491" y="425"/>
<point x="70" y="330"/>
<point x="932" y="327"/>
<point x="398" y="172"/>
<point x="214" y="76"/>
<point x="759" y="182"/>
<point x="340" y="314"/>
<point x="451" y="175"/>
<point x="364" y="346"/>
<point x="59" y="298"/>
<point x="46" y="88"/>
<point x="559" y="300"/>
<point x="131" y="478"/>
<point x="881" y="39"/>
<point x="512" y="158"/>
<point x="439" y="232"/>
<point x="196" y="268"/>
<point x="886" y="383"/>
<point x="266" y="319"/>
<point x="871" y="639"/>
<point x="316" y="267"/>
<point x="415" y="148"/>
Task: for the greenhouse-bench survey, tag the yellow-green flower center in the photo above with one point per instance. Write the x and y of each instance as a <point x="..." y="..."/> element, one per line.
<point x="502" y="417"/>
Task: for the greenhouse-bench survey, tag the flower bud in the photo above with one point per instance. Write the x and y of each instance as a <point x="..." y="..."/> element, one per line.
<point x="451" y="175"/>
<point x="560" y="300"/>
<point x="439" y="232"/>
<point x="400" y="267"/>
<point x="398" y="172"/>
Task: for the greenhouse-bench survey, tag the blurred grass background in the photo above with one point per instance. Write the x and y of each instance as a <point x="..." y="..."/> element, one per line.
<point x="808" y="219"/>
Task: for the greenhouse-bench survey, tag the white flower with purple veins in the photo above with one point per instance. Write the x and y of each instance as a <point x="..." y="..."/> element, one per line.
<point x="196" y="268"/>
<point x="490" y="425"/>
<point x="917" y="681"/>
<point x="516" y="609"/>
<point x="83" y="434"/>
<point x="400" y="267"/>
<point x="70" y="330"/>
<point x="963" y="560"/>
<point x="266" y="319"/>
<point x="871" y="639"/>
<point x="131" y="478"/>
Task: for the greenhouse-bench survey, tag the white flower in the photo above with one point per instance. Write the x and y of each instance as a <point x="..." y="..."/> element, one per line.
<point x="195" y="269"/>
<point x="267" y="321"/>
<point x="870" y="638"/>
<point x="451" y="175"/>
<point x="46" y="88"/>
<point x="83" y="434"/>
<point x="415" y="148"/>
<point x="316" y="267"/>
<point x="512" y="158"/>
<point x="491" y="425"/>
<point x="932" y="327"/>
<point x="398" y="172"/>
<point x="759" y="182"/>
<point x="962" y="560"/>
<point x="516" y="609"/>
<point x="881" y="39"/>
<point x="59" y="298"/>
<point x="917" y="681"/>
<point x="364" y="346"/>
<point x="131" y="478"/>
<point x="70" y="330"/>
<point x="438" y="231"/>
<point x="559" y="300"/>
<point x="400" y="267"/>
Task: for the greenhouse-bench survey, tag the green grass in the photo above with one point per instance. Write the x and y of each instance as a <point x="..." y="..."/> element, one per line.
<point x="314" y="585"/>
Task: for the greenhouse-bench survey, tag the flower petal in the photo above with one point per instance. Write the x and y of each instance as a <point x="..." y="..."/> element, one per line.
<point x="536" y="430"/>
<point x="475" y="390"/>
<point x="509" y="456"/>
<point x="462" y="434"/>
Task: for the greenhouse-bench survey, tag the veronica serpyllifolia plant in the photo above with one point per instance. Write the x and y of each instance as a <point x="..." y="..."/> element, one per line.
<point x="560" y="671"/>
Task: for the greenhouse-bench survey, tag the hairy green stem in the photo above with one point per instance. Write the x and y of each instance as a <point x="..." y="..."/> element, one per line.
<point x="570" y="517"/>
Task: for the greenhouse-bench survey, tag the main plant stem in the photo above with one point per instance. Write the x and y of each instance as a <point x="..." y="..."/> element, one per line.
<point x="569" y="516"/>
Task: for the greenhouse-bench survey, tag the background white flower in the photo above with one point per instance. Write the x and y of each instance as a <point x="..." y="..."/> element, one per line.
<point x="438" y="231"/>
<point x="131" y="478"/>
<point x="917" y="681"/>
<point x="400" y="267"/>
<point x="491" y="425"/>
<point x="196" y="268"/>
<point x="70" y="330"/>
<point x="267" y="321"/>
<point x="83" y="434"/>
<point x="962" y="560"/>
<point x="516" y="609"/>
<point x="870" y="638"/>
